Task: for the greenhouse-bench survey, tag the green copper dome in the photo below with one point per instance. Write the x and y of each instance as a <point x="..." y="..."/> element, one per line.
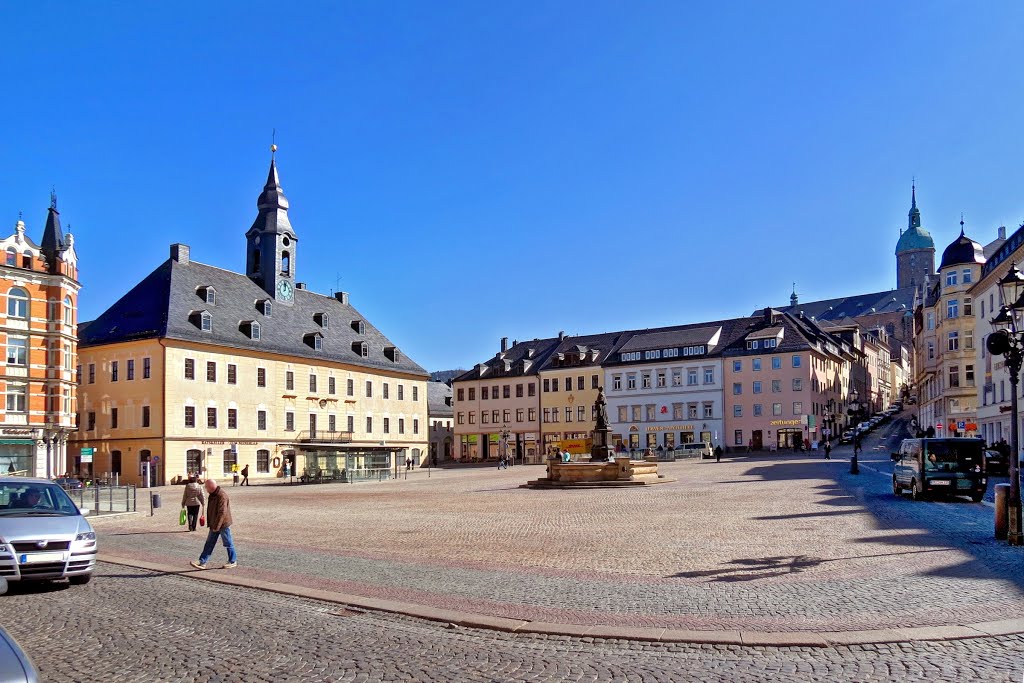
<point x="915" y="236"/>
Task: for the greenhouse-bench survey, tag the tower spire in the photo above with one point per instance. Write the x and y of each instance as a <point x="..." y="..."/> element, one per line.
<point x="53" y="236"/>
<point x="914" y="217"/>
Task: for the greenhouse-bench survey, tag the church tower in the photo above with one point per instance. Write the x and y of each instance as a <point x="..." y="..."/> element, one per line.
<point x="271" y="243"/>
<point x="915" y="250"/>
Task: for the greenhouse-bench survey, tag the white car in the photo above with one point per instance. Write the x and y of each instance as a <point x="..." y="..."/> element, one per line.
<point x="43" y="535"/>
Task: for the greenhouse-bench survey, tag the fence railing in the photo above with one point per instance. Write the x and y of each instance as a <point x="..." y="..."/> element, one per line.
<point x="104" y="500"/>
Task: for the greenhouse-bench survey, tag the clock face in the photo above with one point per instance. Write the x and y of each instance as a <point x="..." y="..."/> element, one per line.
<point x="285" y="290"/>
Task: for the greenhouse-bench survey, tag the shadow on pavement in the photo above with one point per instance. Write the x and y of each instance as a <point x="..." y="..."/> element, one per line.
<point x="943" y="525"/>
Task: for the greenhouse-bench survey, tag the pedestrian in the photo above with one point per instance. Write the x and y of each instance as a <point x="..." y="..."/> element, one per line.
<point x="828" y="450"/>
<point x="192" y="500"/>
<point x="245" y="475"/>
<point x="718" y="454"/>
<point x="750" y="444"/>
<point x="856" y="444"/>
<point x="287" y="469"/>
<point x="10" y="468"/>
<point x="218" y="520"/>
<point x="408" y="464"/>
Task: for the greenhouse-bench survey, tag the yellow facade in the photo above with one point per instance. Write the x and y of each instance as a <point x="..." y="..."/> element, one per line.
<point x="210" y="407"/>
<point x="567" y="397"/>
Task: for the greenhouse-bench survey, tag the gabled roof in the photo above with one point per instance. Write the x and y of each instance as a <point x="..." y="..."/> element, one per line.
<point x="437" y="406"/>
<point x="889" y="301"/>
<point x="704" y="335"/>
<point x="163" y="305"/>
<point x="595" y="349"/>
<point x="523" y="359"/>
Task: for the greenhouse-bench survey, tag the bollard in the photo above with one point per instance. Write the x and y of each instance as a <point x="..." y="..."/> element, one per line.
<point x="1002" y="516"/>
<point x="154" y="502"/>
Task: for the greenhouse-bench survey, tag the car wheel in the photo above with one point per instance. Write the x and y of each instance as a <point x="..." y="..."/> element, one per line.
<point x="896" y="488"/>
<point x="915" y="490"/>
<point x="80" y="580"/>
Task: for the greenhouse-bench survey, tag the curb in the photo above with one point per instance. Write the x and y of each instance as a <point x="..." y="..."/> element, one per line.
<point x="648" y="634"/>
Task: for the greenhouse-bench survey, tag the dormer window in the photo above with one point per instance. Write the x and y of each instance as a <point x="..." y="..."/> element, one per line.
<point x="361" y="349"/>
<point x="322" y="319"/>
<point x="393" y="353"/>
<point x="201" y="319"/>
<point x="251" y="329"/>
<point x="208" y="294"/>
<point x="314" y="340"/>
<point x="358" y="326"/>
<point x="265" y="306"/>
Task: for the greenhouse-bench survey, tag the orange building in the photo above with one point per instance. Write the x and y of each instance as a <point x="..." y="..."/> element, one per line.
<point x="38" y="318"/>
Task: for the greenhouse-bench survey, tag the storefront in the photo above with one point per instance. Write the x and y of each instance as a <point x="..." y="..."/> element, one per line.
<point x="17" y="452"/>
<point x="667" y="437"/>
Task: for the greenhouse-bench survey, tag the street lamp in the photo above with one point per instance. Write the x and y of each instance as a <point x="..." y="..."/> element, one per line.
<point x="854" y="411"/>
<point x="1008" y="341"/>
<point x="830" y="418"/>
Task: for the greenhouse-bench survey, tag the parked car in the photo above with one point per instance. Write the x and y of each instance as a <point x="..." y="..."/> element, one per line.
<point x="43" y="536"/>
<point x="954" y="467"/>
<point x="15" y="666"/>
<point x="699" y="449"/>
<point x="996" y="462"/>
<point x="847" y="436"/>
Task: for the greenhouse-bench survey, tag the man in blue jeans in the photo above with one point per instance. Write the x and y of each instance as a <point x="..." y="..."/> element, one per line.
<point x="218" y="519"/>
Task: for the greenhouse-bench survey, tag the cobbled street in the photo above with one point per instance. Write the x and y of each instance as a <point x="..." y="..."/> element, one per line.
<point x="769" y="543"/>
<point x="132" y="625"/>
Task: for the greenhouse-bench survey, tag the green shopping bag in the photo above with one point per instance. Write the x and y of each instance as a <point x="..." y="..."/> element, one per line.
<point x="181" y="517"/>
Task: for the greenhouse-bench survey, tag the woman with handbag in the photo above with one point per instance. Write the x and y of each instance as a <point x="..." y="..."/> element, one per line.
<point x="192" y="500"/>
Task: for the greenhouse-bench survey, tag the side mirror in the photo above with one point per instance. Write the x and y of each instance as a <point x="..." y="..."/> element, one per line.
<point x="895" y="455"/>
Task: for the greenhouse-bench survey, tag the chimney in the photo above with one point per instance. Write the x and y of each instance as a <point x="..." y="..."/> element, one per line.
<point x="504" y="344"/>
<point x="300" y="285"/>
<point x="179" y="253"/>
<point x="561" y="335"/>
<point x="342" y="297"/>
<point x="1002" y="232"/>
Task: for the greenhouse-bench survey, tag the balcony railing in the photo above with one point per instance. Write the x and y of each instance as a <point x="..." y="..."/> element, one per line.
<point x="325" y="436"/>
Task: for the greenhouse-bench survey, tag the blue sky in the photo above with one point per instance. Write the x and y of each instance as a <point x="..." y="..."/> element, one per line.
<point x="477" y="170"/>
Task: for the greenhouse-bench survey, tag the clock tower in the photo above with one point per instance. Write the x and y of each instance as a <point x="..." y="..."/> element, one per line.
<point x="270" y="243"/>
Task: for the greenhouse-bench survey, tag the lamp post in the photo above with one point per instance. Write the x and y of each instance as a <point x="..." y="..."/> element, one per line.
<point x="830" y="418"/>
<point x="854" y="411"/>
<point x="1008" y="341"/>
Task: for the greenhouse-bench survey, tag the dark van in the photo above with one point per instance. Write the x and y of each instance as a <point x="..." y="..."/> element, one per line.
<point x="953" y="467"/>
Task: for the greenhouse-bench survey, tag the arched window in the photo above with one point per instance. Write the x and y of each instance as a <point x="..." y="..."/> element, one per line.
<point x="205" y="321"/>
<point x="69" y="311"/>
<point x="255" y="332"/>
<point x="286" y="263"/>
<point x="12" y="257"/>
<point x="364" y="350"/>
<point x="256" y="261"/>
<point x="17" y="303"/>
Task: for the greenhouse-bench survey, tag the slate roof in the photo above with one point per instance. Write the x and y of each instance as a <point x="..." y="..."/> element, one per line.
<point x="962" y="250"/>
<point x="437" y="392"/>
<point x="852" y="306"/>
<point x="691" y="336"/>
<point x="606" y="343"/>
<point x="512" y="359"/>
<point x="798" y="334"/>
<point x="161" y="304"/>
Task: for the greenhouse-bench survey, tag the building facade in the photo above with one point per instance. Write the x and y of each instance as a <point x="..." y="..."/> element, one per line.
<point x="39" y="327"/>
<point x="915" y="250"/>
<point x="664" y="387"/>
<point x="783" y="374"/>
<point x="441" y="418"/>
<point x="570" y="379"/>
<point x="497" y="404"/>
<point x="199" y="369"/>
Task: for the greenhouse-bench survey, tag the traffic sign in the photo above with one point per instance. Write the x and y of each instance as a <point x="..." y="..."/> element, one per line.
<point x="961" y="424"/>
<point x="88" y="451"/>
<point x="156" y="458"/>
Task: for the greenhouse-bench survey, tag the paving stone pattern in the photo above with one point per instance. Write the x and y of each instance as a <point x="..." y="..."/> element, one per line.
<point x="774" y="542"/>
<point x="131" y="625"/>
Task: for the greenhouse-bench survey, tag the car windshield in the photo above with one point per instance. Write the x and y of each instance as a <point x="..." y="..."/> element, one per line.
<point x="944" y="456"/>
<point x="33" y="499"/>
